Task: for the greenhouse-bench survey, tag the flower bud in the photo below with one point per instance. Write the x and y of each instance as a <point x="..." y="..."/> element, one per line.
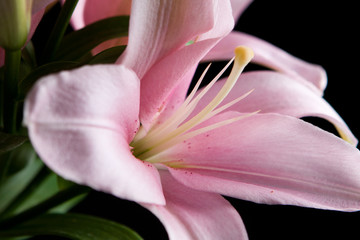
<point x="15" y="19"/>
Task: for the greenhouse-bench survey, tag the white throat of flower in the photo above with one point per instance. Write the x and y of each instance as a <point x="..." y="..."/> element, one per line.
<point x="146" y="146"/>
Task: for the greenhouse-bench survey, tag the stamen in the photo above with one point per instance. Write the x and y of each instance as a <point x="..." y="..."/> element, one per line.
<point x="243" y="55"/>
<point x="181" y="113"/>
<point x="186" y="108"/>
<point x="177" y="117"/>
<point x="228" y="105"/>
<point x="171" y="132"/>
<point x="149" y="155"/>
<point x="344" y="136"/>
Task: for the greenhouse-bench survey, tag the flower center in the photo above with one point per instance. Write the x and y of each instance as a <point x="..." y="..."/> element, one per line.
<point x="178" y="128"/>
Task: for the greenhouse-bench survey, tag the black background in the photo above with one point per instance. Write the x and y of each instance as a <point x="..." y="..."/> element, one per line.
<point x="318" y="31"/>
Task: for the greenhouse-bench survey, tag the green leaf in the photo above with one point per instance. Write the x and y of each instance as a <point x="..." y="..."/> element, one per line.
<point x="26" y="84"/>
<point x="9" y="142"/>
<point x="63" y="183"/>
<point x="78" y="44"/>
<point x="28" y="54"/>
<point x="45" y="189"/>
<point x="14" y="161"/>
<point x="17" y="182"/>
<point x="107" y="56"/>
<point x="48" y="188"/>
<point x="49" y="204"/>
<point x="58" y="30"/>
<point x="10" y="89"/>
<point x="68" y="205"/>
<point x="72" y="226"/>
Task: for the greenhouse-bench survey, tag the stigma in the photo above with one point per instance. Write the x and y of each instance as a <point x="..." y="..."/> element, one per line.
<point x="179" y="127"/>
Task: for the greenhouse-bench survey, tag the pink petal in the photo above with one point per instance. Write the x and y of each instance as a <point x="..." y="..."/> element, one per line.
<point x="90" y="11"/>
<point x="40" y="5"/>
<point x="175" y="98"/>
<point x="278" y="93"/>
<point x="157" y="52"/>
<point x="2" y="56"/>
<point x="268" y="55"/>
<point x="172" y="72"/>
<point x="35" y="20"/>
<point x="273" y="159"/>
<point x="77" y="18"/>
<point x="238" y="7"/>
<point x="223" y="22"/>
<point x="158" y="28"/>
<point x="191" y="214"/>
<point x="81" y="122"/>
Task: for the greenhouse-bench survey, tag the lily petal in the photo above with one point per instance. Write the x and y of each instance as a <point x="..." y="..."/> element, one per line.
<point x="273" y="159"/>
<point x="276" y="92"/>
<point x="175" y="98"/>
<point x="191" y="214"/>
<point x="270" y="56"/>
<point x="35" y="20"/>
<point x="157" y="52"/>
<point x="238" y="7"/>
<point x="2" y="56"/>
<point x="157" y="28"/>
<point x="90" y="11"/>
<point x="40" y="5"/>
<point x="77" y="19"/>
<point x="155" y="96"/>
<point x="81" y="122"/>
<point x="38" y="10"/>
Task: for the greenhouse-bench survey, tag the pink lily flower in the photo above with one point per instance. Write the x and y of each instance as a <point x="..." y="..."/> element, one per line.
<point x="85" y="125"/>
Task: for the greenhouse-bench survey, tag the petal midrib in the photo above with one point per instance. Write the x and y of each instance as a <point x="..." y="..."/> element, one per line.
<point x="332" y="187"/>
<point x="71" y="124"/>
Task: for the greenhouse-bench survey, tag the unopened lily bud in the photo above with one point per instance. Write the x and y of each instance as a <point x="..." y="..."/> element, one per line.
<point x="15" y="19"/>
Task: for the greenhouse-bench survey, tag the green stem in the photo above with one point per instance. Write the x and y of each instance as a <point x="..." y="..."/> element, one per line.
<point x="11" y="80"/>
<point x="58" y="31"/>
<point x="24" y="195"/>
<point x="44" y="206"/>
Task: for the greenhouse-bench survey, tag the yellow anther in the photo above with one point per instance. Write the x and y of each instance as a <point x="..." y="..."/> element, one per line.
<point x="243" y="55"/>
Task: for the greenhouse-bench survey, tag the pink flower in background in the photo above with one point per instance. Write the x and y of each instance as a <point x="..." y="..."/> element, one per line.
<point x="90" y="11"/>
<point x="2" y="56"/>
<point x="129" y="129"/>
